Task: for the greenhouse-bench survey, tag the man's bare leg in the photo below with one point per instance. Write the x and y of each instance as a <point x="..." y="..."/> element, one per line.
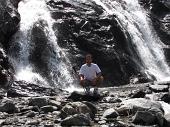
<point x="97" y="83"/>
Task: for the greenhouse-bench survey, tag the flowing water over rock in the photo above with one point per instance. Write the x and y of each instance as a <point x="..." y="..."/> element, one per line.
<point x="146" y="47"/>
<point x="34" y="52"/>
<point x="118" y="33"/>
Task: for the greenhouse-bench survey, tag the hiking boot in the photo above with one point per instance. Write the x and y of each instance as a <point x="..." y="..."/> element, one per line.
<point x="87" y="90"/>
<point x="95" y="91"/>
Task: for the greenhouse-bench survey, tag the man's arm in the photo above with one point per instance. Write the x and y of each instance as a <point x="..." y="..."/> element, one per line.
<point x="99" y="75"/>
<point x="98" y="71"/>
<point x="81" y="77"/>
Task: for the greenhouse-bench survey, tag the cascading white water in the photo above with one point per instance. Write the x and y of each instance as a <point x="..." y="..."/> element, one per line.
<point x="144" y="39"/>
<point x="32" y="11"/>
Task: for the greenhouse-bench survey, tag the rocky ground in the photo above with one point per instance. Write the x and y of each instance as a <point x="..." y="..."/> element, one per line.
<point x="135" y="105"/>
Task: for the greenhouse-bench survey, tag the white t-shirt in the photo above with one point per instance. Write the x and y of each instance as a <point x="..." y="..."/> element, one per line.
<point x="89" y="72"/>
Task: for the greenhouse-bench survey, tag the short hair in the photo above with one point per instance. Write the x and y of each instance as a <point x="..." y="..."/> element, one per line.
<point x="88" y="54"/>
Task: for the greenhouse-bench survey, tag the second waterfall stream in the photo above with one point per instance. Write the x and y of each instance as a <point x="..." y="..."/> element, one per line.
<point x="144" y="40"/>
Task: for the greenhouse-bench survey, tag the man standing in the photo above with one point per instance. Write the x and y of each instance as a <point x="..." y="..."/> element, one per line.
<point x="90" y="75"/>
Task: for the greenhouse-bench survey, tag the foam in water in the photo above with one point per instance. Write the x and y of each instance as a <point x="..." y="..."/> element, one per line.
<point x="143" y="36"/>
<point x="32" y="11"/>
<point x="28" y="75"/>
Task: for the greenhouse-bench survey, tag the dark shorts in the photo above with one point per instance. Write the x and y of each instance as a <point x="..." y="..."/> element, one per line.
<point x="88" y="83"/>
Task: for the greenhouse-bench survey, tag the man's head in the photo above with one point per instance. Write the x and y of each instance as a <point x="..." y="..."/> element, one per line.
<point x="88" y="58"/>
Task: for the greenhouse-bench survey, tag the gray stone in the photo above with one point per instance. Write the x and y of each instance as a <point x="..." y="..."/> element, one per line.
<point x="48" y="108"/>
<point x="31" y="114"/>
<point x="102" y="122"/>
<point x="159" y="114"/>
<point x="150" y="116"/>
<point x="110" y="113"/>
<point x="140" y="104"/>
<point x="124" y="111"/>
<point x="92" y="108"/>
<point x="38" y="101"/>
<point x="3" y="115"/>
<point x="27" y="108"/>
<point x="55" y="103"/>
<point x="32" y="122"/>
<point x="74" y="108"/>
<point x="144" y="118"/>
<point x="111" y="99"/>
<point x="10" y="121"/>
<point x="76" y="120"/>
<point x="8" y="106"/>
<point x="138" y="94"/>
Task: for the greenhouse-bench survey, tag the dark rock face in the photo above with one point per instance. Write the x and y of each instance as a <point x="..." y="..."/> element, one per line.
<point x="40" y="48"/>
<point x="82" y="28"/>
<point x="24" y="89"/>
<point x="9" y="20"/>
<point x="6" y="75"/>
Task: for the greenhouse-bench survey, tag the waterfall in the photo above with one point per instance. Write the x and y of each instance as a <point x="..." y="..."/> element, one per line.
<point x="33" y="11"/>
<point x="144" y="39"/>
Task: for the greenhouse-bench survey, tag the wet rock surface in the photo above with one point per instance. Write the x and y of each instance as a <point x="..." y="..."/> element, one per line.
<point x="84" y="27"/>
<point x="9" y="23"/>
<point x="25" y="89"/>
<point x="6" y="71"/>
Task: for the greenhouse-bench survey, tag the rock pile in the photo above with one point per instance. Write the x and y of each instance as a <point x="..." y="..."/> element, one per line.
<point x="125" y="106"/>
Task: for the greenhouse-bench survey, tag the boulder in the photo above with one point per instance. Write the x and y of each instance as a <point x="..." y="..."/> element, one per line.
<point x="75" y="108"/>
<point x="150" y="117"/>
<point x="38" y="101"/>
<point x="110" y="113"/>
<point x="30" y="108"/>
<point x="138" y="94"/>
<point x="48" y="108"/>
<point x="76" y="120"/>
<point x="8" y="106"/>
<point x="141" y="109"/>
<point x="55" y="103"/>
<point x="144" y="118"/>
<point x="165" y="97"/>
<point x="110" y="99"/>
<point x="131" y="106"/>
<point x="34" y="122"/>
<point x="31" y="114"/>
<point x="92" y="108"/>
<point x="124" y="111"/>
